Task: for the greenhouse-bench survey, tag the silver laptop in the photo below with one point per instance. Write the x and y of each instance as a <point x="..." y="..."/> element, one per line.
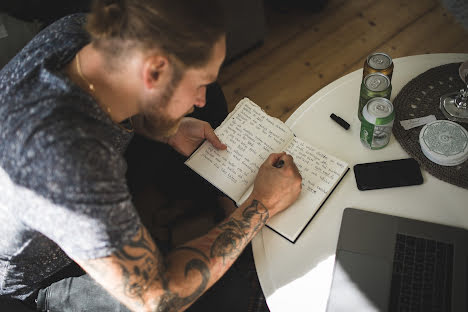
<point x="388" y="263"/>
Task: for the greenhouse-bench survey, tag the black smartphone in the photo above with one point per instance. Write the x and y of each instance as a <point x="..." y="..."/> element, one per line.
<point x="385" y="174"/>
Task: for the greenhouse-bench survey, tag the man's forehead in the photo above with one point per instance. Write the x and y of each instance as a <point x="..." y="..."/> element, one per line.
<point x="207" y="73"/>
<point x="210" y="70"/>
<point x="219" y="53"/>
<point x="210" y="76"/>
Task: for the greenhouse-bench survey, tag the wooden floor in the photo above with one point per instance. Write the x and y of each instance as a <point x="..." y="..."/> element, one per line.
<point x="304" y="52"/>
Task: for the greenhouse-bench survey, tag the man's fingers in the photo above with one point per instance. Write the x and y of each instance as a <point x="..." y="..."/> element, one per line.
<point x="288" y="162"/>
<point x="282" y="160"/>
<point x="211" y="136"/>
<point x="274" y="158"/>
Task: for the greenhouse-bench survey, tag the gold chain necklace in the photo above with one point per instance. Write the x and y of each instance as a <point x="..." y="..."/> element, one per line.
<point x="78" y="68"/>
<point x="92" y="89"/>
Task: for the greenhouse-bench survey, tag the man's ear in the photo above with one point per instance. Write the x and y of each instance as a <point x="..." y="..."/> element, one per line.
<point x="155" y="69"/>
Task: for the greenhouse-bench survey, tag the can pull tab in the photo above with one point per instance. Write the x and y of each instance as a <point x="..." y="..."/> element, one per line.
<point x="375" y="83"/>
<point x="379" y="60"/>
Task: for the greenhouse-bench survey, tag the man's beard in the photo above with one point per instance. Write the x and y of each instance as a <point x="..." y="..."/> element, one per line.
<point x="156" y="121"/>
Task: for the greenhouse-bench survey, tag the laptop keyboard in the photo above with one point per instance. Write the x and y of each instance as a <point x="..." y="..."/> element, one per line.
<point x="422" y="275"/>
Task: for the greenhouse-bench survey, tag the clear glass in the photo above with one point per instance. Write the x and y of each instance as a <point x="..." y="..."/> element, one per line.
<point x="454" y="105"/>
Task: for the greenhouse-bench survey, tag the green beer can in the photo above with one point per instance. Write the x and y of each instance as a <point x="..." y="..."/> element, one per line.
<point x="373" y="85"/>
<point x="376" y="125"/>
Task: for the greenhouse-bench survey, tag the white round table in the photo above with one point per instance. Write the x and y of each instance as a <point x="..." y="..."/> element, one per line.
<point x="297" y="277"/>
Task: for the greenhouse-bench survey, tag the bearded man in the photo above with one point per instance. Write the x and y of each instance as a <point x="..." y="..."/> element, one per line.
<point x="69" y="103"/>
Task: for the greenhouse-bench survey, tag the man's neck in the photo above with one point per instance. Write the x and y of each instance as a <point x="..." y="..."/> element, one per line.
<point x="110" y="90"/>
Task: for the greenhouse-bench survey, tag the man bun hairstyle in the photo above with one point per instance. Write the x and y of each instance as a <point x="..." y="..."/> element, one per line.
<point x="106" y="19"/>
<point x="185" y="29"/>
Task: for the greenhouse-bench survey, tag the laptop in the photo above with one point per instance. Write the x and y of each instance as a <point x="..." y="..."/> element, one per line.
<point x="388" y="263"/>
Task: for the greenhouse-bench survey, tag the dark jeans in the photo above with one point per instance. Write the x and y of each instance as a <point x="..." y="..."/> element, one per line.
<point x="152" y="163"/>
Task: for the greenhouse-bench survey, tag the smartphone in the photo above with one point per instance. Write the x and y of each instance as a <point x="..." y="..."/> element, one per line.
<point x="385" y="174"/>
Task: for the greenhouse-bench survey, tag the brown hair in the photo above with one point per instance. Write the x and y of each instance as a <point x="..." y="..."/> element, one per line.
<point x="185" y="29"/>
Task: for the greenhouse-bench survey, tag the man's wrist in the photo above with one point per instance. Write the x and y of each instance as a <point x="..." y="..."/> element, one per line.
<point x="267" y="204"/>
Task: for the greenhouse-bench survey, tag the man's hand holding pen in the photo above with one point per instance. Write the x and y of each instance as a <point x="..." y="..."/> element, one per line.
<point x="279" y="164"/>
<point x="278" y="183"/>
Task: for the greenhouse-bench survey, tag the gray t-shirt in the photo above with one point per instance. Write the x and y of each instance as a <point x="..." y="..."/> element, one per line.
<point x="63" y="192"/>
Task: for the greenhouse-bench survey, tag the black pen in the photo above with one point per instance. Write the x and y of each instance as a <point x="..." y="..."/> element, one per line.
<point x="279" y="164"/>
<point x="340" y="121"/>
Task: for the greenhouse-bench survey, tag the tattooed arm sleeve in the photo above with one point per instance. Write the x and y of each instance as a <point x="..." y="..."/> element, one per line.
<point x="142" y="279"/>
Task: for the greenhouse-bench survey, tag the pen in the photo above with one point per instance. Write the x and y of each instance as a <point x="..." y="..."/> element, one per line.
<point x="340" y="121"/>
<point x="279" y="164"/>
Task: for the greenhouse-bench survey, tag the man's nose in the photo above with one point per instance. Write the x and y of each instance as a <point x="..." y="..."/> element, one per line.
<point x="200" y="101"/>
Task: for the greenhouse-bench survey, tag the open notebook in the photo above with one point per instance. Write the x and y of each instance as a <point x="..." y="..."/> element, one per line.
<point x="251" y="136"/>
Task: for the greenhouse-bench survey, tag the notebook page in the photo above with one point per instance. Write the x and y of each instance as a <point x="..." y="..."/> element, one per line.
<point x="251" y="136"/>
<point x="320" y="173"/>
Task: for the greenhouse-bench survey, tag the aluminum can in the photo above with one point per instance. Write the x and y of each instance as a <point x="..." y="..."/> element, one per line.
<point x="378" y="63"/>
<point x="374" y="85"/>
<point x="376" y="126"/>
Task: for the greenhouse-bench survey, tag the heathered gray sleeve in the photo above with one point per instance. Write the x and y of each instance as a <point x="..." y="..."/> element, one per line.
<point x="83" y="203"/>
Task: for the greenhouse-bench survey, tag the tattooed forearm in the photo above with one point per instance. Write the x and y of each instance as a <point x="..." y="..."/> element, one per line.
<point x="195" y="250"/>
<point x="146" y="269"/>
<point x="140" y="264"/>
<point x="139" y="275"/>
<point x="140" y="243"/>
<point x="141" y="267"/>
<point x="236" y="232"/>
<point x="256" y="209"/>
<point x="171" y="301"/>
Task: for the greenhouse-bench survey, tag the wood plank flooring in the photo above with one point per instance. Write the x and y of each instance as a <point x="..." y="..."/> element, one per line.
<point x="304" y="51"/>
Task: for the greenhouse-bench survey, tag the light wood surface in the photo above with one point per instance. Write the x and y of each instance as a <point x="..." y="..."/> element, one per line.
<point x="304" y="51"/>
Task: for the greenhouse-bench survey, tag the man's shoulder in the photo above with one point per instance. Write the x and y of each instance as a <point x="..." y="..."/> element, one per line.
<point x="51" y="48"/>
<point x="73" y="23"/>
<point x="61" y="30"/>
<point x="58" y="136"/>
<point x="73" y="133"/>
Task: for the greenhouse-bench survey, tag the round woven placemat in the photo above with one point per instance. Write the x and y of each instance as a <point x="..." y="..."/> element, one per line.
<point x="420" y="98"/>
